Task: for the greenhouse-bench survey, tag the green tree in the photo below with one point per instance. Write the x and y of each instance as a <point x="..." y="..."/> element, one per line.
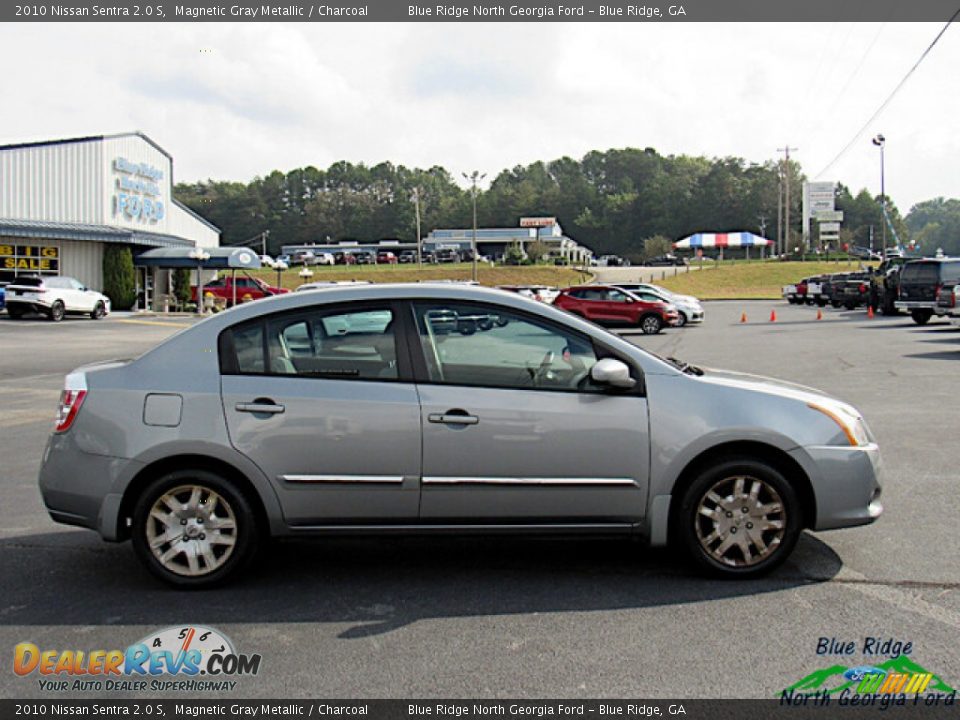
<point x="181" y="285"/>
<point x="656" y="245"/>
<point x="119" y="276"/>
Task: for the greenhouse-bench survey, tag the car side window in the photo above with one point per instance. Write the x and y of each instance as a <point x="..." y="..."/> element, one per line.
<point x="617" y="296"/>
<point x="491" y="346"/>
<point x="248" y="346"/>
<point x="359" y="345"/>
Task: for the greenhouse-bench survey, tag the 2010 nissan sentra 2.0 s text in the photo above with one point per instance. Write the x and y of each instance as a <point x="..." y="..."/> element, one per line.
<point x="442" y="408"/>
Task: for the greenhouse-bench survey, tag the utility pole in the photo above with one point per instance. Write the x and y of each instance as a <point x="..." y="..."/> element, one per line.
<point x="416" y="206"/>
<point x="786" y="195"/>
<point x="881" y="142"/>
<point x="473" y="178"/>
<point x="779" y="245"/>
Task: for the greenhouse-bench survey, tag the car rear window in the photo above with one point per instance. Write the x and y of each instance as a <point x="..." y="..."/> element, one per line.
<point x="28" y="281"/>
<point x="931" y="272"/>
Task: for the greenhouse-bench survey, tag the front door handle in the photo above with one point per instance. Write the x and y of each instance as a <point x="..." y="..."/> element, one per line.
<point x="453" y="417"/>
<point x="260" y="405"/>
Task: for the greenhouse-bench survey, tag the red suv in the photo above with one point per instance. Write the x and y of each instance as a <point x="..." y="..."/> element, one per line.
<point x="607" y="305"/>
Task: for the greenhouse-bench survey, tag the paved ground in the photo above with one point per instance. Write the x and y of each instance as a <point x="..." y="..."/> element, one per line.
<point x="531" y="618"/>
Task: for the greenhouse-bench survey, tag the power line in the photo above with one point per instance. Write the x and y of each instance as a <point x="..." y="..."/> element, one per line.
<point x="883" y="105"/>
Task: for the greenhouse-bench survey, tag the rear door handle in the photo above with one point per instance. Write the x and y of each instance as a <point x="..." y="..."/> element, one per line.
<point x="268" y="408"/>
<point x="453" y="417"/>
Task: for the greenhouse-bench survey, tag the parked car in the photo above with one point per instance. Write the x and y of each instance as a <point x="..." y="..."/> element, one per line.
<point x="689" y="309"/>
<point x="921" y="282"/>
<point x="830" y="287"/>
<point x="407" y="256"/>
<point x="364" y="257"/>
<point x="948" y="303"/>
<point x="545" y="423"/>
<point x="541" y="293"/>
<point x="54" y="296"/>
<point x="3" y="294"/>
<point x="386" y="257"/>
<point x="796" y="294"/>
<point x="341" y="257"/>
<point x="246" y="288"/>
<point x="854" y="290"/>
<point x="609" y="305"/>
<point x="447" y="255"/>
<point x="304" y="257"/>
<point x="324" y="258"/>
<point x="428" y="256"/>
<point x="267" y="261"/>
<point x="285" y="259"/>
<point x="664" y="260"/>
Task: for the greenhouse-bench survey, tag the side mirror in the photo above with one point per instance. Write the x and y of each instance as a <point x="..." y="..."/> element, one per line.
<point x="612" y="372"/>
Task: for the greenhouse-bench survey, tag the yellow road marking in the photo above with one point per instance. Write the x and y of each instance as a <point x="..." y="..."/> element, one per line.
<point x="155" y="322"/>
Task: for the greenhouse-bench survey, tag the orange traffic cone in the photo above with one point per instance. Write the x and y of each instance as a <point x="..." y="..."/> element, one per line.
<point x="819" y="314"/>
<point x="743" y="317"/>
<point x="870" y="311"/>
<point x="773" y="316"/>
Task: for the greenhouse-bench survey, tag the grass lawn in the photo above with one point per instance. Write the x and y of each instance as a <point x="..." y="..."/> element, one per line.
<point x="754" y="280"/>
<point x="490" y="276"/>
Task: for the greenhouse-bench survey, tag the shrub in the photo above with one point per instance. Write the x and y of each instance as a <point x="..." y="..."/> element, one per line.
<point x="119" y="277"/>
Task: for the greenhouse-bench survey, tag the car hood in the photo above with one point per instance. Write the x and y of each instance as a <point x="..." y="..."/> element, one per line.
<point x="759" y="383"/>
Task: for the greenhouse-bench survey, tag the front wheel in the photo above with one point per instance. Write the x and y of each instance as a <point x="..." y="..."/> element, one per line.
<point x="98" y="311"/>
<point x="921" y="317"/>
<point x="681" y="319"/>
<point x="739" y="518"/>
<point x="651" y="324"/>
<point x="192" y="528"/>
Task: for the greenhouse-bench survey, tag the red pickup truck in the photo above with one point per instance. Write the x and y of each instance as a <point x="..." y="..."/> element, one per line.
<point x="223" y="288"/>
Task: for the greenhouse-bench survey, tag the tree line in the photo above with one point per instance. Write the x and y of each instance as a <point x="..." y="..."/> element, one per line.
<point x="611" y="201"/>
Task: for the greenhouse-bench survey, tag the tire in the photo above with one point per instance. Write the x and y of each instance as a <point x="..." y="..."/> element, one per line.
<point x="681" y="319"/>
<point x="850" y="306"/>
<point x="57" y="311"/>
<point x="921" y="317"/>
<point x="695" y="528"/>
<point x="821" y="302"/>
<point x="193" y="488"/>
<point x="98" y="311"/>
<point x="835" y="303"/>
<point x="651" y="324"/>
<point x="14" y="314"/>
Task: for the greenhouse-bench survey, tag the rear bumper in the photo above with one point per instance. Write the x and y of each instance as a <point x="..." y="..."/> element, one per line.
<point x="915" y="304"/>
<point x="846" y="484"/>
<point x="27" y="305"/>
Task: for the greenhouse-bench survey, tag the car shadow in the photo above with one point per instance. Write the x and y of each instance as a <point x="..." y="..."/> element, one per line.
<point x="939" y="355"/>
<point x="376" y="585"/>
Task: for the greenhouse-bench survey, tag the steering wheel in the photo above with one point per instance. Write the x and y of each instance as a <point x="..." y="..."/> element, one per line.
<point x="539" y="373"/>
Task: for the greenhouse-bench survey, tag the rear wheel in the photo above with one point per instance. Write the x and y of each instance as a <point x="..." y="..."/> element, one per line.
<point x="98" y="311"/>
<point x="739" y="518"/>
<point x="651" y="324"/>
<point x="15" y="314"/>
<point x="921" y="317"/>
<point x="835" y="303"/>
<point x="57" y="311"/>
<point x="193" y="528"/>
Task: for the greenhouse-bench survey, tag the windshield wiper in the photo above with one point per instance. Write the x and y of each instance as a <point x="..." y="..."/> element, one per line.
<point x="685" y="367"/>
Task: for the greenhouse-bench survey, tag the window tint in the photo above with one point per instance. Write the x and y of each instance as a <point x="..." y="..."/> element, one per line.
<point x="466" y="344"/>
<point x="248" y="344"/>
<point x="331" y="344"/>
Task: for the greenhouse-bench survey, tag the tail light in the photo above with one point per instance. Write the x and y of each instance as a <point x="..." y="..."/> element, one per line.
<point x="74" y="391"/>
<point x="863" y="288"/>
<point x="937" y="289"/>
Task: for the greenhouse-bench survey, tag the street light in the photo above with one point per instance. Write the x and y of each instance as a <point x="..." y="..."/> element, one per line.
<point x="473" y="178"/>
<point x="881" y="142"/>
<point x="201" y="256"/>
<point x="415" y="197"/>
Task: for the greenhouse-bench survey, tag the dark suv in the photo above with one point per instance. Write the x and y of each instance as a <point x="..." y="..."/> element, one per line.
<point x="921" y="282"/>
<point x="885" y="285"/>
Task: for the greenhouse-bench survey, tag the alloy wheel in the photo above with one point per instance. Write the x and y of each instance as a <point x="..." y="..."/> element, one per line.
<point x="191" y="530"/>
<point x="740" y="521"/>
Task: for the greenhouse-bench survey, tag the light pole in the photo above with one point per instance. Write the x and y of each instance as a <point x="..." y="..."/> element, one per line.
<point x="473" y="178"/>
<point x="280" y="266"/>
<point x="415" y="197"/>
<point x="201" y="256"/>
<point x="881" y="142"/>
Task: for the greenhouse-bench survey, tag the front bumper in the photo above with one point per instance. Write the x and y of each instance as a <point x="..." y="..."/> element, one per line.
<point x="846" y="484"/>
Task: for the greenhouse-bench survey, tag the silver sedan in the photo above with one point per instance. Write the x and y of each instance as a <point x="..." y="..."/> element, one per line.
<point x="442" y="408"/>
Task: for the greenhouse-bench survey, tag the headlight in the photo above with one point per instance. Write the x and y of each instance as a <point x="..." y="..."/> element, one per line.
<point x="848" y="420"/>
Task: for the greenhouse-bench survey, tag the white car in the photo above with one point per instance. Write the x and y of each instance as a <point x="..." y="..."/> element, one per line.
<point x="320" y="285"/>
<point x="55" y="297"/>
<point x="267" y="261"/>
<point x="689" y="307"/>
<point x="324" y="258"/>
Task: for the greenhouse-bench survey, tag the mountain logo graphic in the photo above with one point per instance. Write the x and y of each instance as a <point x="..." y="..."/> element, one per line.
<point x="897" y="675"/>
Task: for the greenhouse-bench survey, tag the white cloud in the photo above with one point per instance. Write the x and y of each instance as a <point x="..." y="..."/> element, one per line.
<point x="231" y="101"/>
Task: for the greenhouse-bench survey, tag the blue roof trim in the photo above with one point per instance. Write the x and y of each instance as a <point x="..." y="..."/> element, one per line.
<point x="196" y="215"/>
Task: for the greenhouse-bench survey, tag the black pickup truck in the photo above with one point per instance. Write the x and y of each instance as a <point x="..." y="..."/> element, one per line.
<point x="921" y="282"/>
<point x="853" y="290"/>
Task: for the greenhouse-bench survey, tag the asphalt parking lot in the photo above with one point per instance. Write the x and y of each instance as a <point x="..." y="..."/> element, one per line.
<point x="448" y="617"/>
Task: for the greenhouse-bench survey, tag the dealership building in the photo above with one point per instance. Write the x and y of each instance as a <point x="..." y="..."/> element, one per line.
<point x="63" y="201"/>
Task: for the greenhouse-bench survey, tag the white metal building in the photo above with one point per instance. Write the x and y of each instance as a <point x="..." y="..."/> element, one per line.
<point x="62" y="201"/>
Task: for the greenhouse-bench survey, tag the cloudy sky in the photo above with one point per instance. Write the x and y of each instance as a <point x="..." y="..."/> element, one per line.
<point x="231" y="101"/>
